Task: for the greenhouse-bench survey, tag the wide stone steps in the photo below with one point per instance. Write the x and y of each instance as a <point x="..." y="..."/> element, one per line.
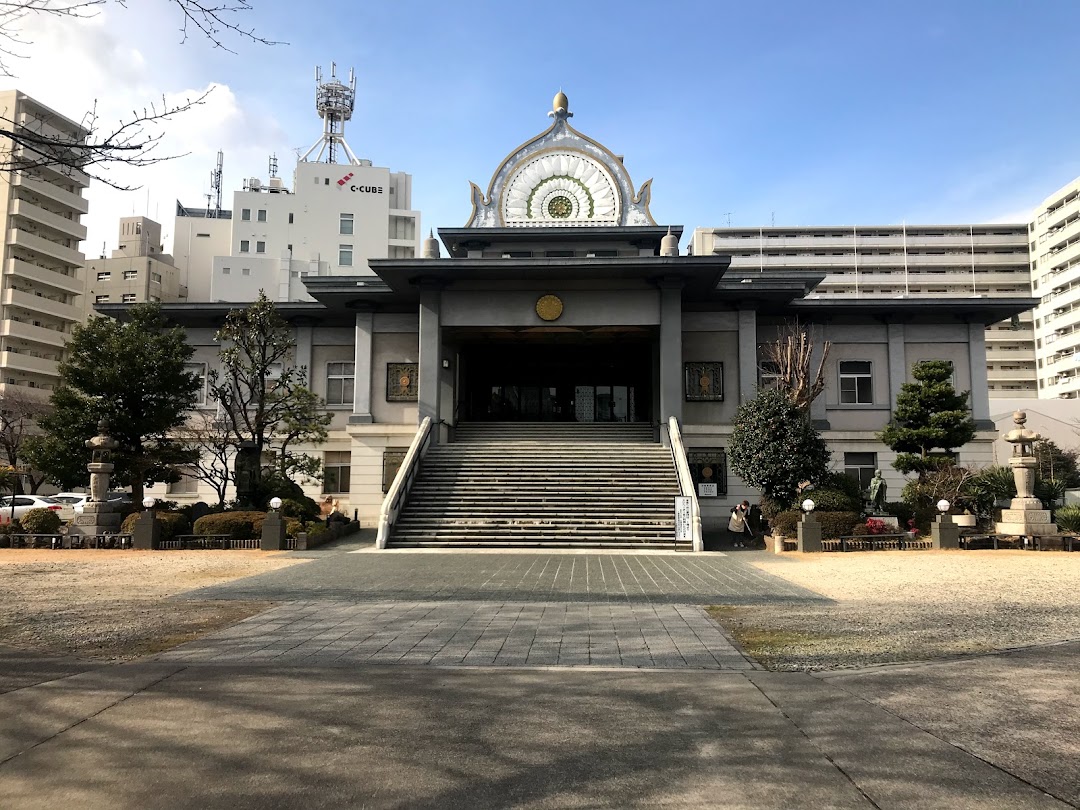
<point x="560" y="485"/>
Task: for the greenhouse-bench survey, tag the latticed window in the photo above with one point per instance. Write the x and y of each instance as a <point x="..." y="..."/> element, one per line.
<point x="340" y="379"/>
<point x="856" y="382"/>
<point x="336" y="471"/>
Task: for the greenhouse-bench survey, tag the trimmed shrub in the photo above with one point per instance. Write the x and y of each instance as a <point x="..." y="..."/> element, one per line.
<point x="844" y="483"/>
<point x="903" y="512"/>
<point x="785" y="522"/>
<point x="771" y="508"/>
<point x="41" y="521"/>
<point x="172" y="524"/>
<point x="1068" y="518"/>
<point x="315" y="529"/>
<point x="304" y="509"/>
<point x="293" y="526"/>
<point x="238" y="525"/>
<point x="860" y="530"/>
<point x="828" y="499"/>
<point x="837" y="524"/>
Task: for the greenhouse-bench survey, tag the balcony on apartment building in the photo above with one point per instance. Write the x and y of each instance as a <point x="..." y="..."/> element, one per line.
<point x="35" y="302"/>
<point x="54" y="192"/>
<point x="30" y="362"/>
<point x="45" y="276"/>
<point x="45" y="246"/>
<point x="722" y="243"/>
<point x="32" y="333"/>
<point x="35" y="213"/>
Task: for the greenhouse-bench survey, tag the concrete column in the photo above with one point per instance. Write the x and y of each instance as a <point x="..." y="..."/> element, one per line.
<point x="671" y="360"/>
<point x="819" y="415"/>
<point x="430" y="354"/>
<point x="980" y="392"/>
<point x="304" y="343"/>
<point x="365" y="324"/>
<point x="748" y="359"/>
<point x="897" y="362"/>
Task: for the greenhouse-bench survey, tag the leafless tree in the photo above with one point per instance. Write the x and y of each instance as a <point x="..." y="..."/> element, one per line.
<point x="790" y="358"/>
<point x="18" y="419"/>
<point x="215" y="442"/>
<point x="96" y="146"/>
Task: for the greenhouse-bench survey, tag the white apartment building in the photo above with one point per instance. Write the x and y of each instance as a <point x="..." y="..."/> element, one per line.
<point x="139" y="271"/>
<point x="334" y="219"/>
<point x="905" y="261"/>
<point x="1055" y="275"/>
<point x="42" y="206"/>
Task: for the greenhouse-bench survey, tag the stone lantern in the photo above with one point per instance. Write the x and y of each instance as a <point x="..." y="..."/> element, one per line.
<point x="1025" y="517"/>
<point x="98" y="516"/>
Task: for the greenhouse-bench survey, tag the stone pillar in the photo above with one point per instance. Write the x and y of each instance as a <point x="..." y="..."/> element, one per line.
<point x="980" y="393"/>
<point x="671" y="360"/>
<point x="945" y="533"/>
<point x="304" y="349"/>
<point x="365" y="327"/>
<point x="818" y="413"/>
<point x="147" y="531"/>
<point x="748" y="359"/>
<point x="897" y="362"/>
<point x="273" y="532"/>
<point x="430" y="354"/>
<point x="809" y="533"/>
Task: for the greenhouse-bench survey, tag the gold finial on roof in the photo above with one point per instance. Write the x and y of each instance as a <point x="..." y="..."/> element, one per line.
<point x="560" y="101"/>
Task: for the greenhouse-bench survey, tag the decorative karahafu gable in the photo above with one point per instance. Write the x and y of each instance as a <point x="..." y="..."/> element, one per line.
<point x="560" y="177"/>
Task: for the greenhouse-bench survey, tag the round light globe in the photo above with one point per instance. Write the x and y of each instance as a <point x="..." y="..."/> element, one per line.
<point x="275" y="503"/>
<point x="149" y="501"/>
<point x="943" y="505"/>
<point x="808" y="505"/>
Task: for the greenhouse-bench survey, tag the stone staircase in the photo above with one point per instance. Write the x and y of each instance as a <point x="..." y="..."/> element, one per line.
<point x="543" y="484"/>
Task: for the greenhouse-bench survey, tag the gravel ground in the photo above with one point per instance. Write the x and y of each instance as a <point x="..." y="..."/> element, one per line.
<point x="115" y="605"/>
<point x="910" y="606"/>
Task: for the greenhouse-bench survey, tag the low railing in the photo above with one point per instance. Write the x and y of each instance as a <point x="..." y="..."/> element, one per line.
<point x="403" y="481"/>
<point x="878" y="542"/>
<point x="686" y="482"/>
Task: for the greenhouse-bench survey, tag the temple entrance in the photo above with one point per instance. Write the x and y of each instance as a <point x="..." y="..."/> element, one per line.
<point x="576" y="379"/>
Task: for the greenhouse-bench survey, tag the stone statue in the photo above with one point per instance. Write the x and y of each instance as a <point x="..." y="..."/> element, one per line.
<point x="878" y="490"/>
<point x="100" y="466"/>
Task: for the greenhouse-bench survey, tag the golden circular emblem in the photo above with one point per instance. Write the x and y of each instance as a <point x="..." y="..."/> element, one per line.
<point x="549" y="307"/>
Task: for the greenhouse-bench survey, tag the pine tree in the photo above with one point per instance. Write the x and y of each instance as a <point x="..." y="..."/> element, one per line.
<point x="930" y="421"/>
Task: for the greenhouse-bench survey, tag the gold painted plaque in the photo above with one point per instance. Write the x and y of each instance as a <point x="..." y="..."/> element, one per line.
<point x="549" y="307"/>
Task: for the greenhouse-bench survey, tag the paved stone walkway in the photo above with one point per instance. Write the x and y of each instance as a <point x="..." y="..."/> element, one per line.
<point x="470" y="633"/>
<point x="636" y="578"/>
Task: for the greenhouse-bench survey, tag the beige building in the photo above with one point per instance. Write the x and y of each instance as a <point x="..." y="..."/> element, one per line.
<point x="905" y="262"/>
<point x="42" y="206"/>
<point x="1055" y="274"/>
<point x="137" y="272"/>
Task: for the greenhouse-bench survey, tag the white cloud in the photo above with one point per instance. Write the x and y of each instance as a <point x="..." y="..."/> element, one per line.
<point x="107" y="66"/>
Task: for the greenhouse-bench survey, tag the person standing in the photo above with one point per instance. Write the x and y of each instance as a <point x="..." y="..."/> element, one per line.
<point x="739" y="526"/>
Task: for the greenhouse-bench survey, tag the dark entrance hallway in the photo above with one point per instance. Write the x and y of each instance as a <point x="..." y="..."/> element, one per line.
<point x="538" y="376"/>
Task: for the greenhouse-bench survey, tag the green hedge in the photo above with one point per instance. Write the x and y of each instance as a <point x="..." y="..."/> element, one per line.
<point x="41" y="521"/>
<point x="827" y="499"/>
<point x="172" y="524"/>
<point x="837" y="524"/>
<point x="785" y="522"/>
<point x="238" y="525"/>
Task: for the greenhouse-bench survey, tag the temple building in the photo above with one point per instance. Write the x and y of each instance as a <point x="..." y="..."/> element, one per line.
<point x="557" y="371"/>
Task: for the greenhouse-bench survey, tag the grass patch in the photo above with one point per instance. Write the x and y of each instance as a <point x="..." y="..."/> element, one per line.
<point x="772" y="647"/>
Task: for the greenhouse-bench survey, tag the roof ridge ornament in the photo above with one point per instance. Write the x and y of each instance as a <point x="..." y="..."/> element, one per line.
<point x="560" y="107"/>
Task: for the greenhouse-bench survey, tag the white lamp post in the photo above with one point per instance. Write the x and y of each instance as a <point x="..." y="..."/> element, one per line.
<point x="943" y="506"/>
<point x="808" y="505"/>
<point x="149" y="501"/>
<point x="275" y="503"/>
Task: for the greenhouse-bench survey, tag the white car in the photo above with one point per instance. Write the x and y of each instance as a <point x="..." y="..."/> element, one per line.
<point x="24" y="503"/>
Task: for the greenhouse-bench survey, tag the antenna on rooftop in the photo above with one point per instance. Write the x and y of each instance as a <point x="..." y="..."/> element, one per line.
<point x="214" y="212"/>
<point x="334" y="101"/>
<point x="728" y="215"/>
<point x="273" y="165"/>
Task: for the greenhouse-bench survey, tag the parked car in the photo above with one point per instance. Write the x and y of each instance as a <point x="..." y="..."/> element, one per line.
<point x="24" y="503"/>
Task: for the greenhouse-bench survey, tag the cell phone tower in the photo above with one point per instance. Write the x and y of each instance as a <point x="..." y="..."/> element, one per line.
<point x="334" y="102"/>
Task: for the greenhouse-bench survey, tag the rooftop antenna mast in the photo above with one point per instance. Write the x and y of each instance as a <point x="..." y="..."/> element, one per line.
<point x="334" y="101"/>
<point x="215" y="188"/>
<point x="273" y="165"/>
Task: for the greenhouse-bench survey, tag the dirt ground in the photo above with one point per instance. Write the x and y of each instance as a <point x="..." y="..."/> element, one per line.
<point x="909" y="606"/>
<point x="115" y="605"/>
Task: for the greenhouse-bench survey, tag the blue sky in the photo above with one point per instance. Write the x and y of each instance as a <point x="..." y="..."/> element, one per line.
<point x="803" y="113"/>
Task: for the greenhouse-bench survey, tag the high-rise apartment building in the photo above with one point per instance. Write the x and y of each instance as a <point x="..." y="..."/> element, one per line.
<point x="138" y="271"/>
<point x="42" y="204"/>
<point x="905" y="261"/>
<point x="1055" y="276"/>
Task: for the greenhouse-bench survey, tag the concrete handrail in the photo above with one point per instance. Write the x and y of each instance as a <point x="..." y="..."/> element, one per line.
<point x="403" y="481"/>
<point x="686" y="482"/>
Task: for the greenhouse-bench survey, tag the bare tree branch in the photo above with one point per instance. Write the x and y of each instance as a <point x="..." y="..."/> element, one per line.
<point x="215" y="20"/>
<point x="791" y="360"/>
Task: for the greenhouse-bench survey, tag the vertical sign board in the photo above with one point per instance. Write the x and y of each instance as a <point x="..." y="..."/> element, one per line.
<point x="684" y="520"/>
